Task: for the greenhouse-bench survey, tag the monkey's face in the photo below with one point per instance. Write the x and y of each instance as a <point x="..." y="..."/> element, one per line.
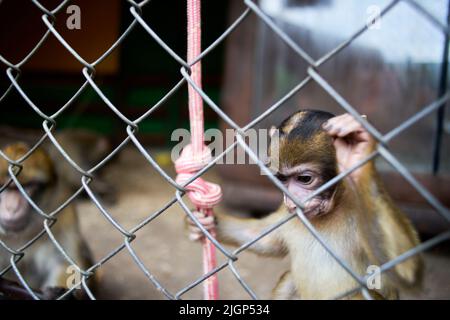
<point x="306" y="160"/>
<point x="16" y="213"/>
<point x="302" y="181"/>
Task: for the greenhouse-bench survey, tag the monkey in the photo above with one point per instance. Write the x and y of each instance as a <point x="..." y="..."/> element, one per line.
<point x="84" y="147"/>
<point x="43" y="266"/>
<point x="356" y="217"/>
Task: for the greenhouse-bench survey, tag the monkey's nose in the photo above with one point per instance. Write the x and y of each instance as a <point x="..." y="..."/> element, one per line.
<point x="290" y="205"/>
<point x="11" y="202"/>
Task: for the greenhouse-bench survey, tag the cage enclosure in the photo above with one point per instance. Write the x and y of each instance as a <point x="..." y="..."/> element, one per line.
<point x="389" y="73"/>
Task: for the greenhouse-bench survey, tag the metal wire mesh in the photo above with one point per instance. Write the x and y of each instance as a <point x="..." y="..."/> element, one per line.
<point x="50" y="121"/>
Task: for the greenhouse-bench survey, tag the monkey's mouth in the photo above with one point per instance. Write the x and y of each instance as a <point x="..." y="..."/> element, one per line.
<point x="314" y="208"/>
<point x="15" y="225"/>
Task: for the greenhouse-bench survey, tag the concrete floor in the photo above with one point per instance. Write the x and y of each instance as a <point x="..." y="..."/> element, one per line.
<point x="164" y="249"/>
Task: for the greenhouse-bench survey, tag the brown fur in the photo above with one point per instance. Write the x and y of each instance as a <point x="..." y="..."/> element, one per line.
<point x="363" y="228"/>
<point x="37" y="167"/>
<point x="43" y="266"/>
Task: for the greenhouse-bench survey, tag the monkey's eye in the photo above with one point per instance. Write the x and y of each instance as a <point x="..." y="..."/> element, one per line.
<point x="304" y="179"/>
<point x="282" y="178"/>
<point x="31" y="186"/>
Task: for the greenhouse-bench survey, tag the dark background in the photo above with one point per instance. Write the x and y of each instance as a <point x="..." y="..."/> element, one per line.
<point x="134" y="77"/>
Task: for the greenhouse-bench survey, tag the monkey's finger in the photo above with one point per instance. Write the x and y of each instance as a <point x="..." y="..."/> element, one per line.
<point x="205" y="221"/>
<point x="351" y="127"/>
<point x="343" y="125"/>
<point x="334" y="125"/>
<point x="348" y="120"/>
<point x="346" y="117"/>
<point x="196" y="229"/>
<point x="195" y="233"/>
<point x="195" y="236"/>
<point x="198" y="214"/>
<point x="334" y="128"/>
<point x="339" y="118"/>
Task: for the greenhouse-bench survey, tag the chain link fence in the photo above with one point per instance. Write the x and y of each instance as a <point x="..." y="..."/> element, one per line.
<point x="50" y="122"/>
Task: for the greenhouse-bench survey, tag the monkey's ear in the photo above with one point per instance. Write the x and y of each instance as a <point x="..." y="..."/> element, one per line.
<point x="272" y="131"/>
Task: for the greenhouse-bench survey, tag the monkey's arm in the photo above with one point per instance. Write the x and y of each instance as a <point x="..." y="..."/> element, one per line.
<point x="395" y="234"/>
<point x="238" y="231"/>
<point x="86" y="149"/>
<point x="398" y="233"/>
<point x="285" y="288"/>
<point x="58" y="270"/>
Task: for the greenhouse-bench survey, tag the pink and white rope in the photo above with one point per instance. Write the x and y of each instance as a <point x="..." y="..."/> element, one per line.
<point x="204" y="195"/>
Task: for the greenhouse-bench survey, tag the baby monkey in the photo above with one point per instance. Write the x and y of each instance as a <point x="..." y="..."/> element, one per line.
<point x="355" y="217"/>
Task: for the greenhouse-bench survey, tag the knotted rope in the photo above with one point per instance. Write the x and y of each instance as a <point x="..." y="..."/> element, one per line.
<point x="204" y="195"/>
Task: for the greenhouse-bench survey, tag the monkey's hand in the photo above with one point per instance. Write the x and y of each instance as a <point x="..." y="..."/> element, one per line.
<point x="195" y="233"/>
<point x="352" y="142"/>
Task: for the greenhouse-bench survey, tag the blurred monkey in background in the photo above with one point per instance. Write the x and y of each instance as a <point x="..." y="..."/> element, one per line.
<point x="43" y="266"/>
<point x="86" y="148"/>
<point x="49" y="184"/>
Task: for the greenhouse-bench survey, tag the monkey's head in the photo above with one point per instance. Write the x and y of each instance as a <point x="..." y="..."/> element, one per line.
<point x="16" y="213"/>
<point x="305" y="159"/>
